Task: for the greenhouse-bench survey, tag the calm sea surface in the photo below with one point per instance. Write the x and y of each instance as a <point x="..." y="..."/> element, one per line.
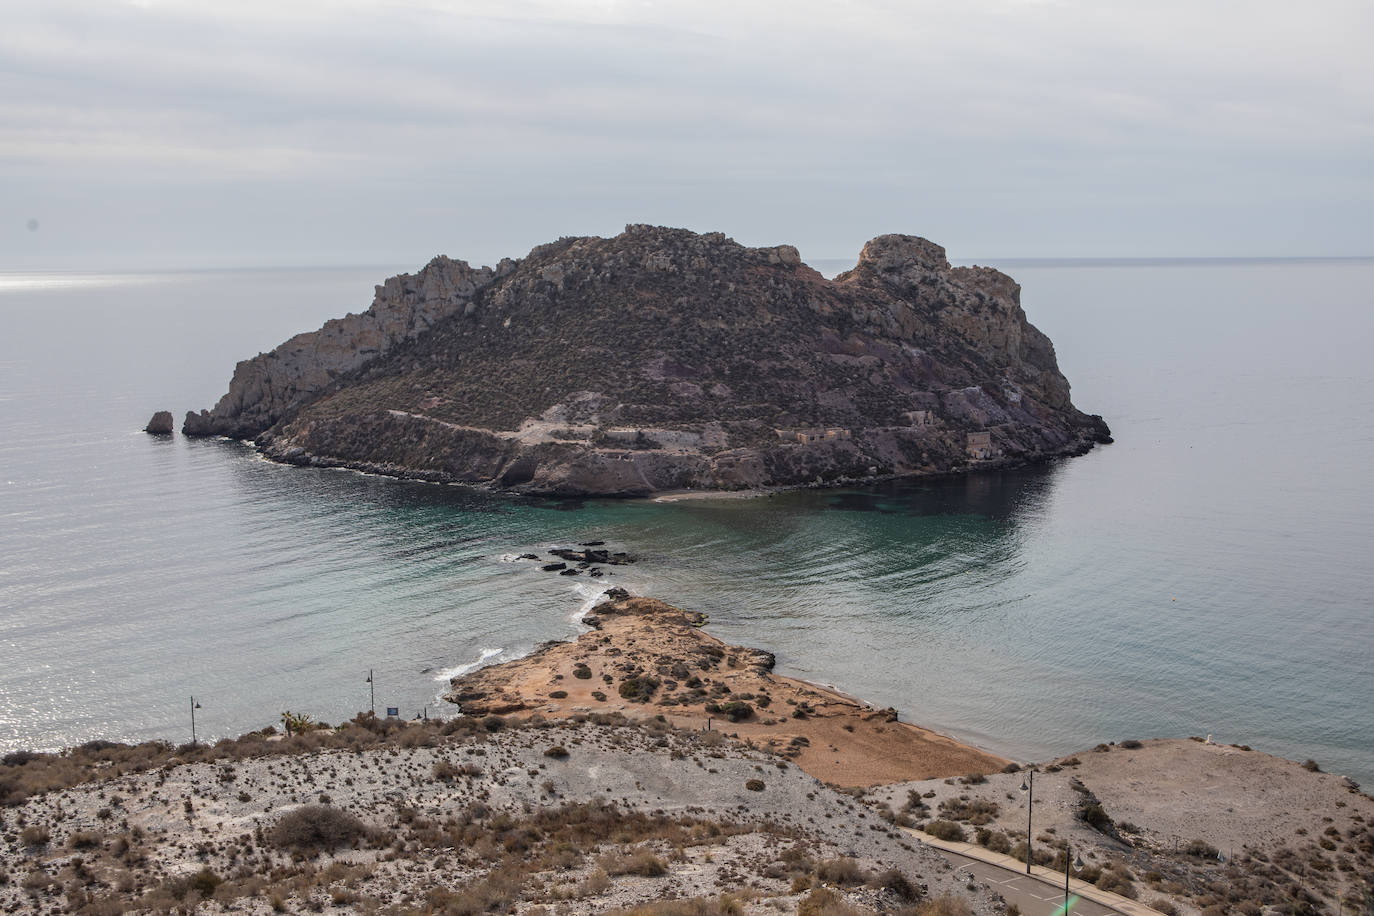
<point x="1211" y="572"/>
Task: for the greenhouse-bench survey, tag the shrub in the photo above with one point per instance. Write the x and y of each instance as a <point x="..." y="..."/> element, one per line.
<point x="311" y="828"/>
<point x="205" y="882"/>
<point x="640" y="861"/>
<point x="84" y="839"/>
<point x="558" y="694"/>
<point x="977" y="811"/>
<point x="945" y="830"/>
<point x="824" y="902"/>
<point x="973" y="779"/>
<point x="493" y="894"/>
<point x="944" y="906"/>
<point x="638" y="689"/>
<point x="994" y="840"/>
<point x="754" y="785"/>
<point x="896" y="882"/>
<point x="1201" y="849"/>
<point x="558" y="752"/>
<point x="583" y="672"/>
<point x="1311" y="766"/>
<point x="736" y="710"/>
<point x="842" y="870"/>
<point x="1095" y="816"/>
<point x="1131" y="744"/>
<point x="1164" y="906"/>
<point x="34" y="835"/>
<point x="1116" y="883"/>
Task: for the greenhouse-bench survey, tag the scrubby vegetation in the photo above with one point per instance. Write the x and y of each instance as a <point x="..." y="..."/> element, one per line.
<point x="317" y="828"/>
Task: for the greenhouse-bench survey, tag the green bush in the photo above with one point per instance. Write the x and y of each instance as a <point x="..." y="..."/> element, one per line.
<point x="638" y="689"/>
<point x="735" y="710"/>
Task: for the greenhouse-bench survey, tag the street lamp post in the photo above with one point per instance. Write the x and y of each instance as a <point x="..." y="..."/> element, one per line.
<point x="1078" y="866"/>
<point x="372" y="689"/>
<point x="1028" y="786"/>
<point x="194" y="707"/>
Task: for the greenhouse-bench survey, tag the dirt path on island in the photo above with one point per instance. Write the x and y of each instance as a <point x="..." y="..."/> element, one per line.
<point x="646" y="658"/>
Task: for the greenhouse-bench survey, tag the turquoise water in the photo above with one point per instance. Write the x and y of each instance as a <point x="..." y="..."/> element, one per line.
<point x="1208" y="573"/>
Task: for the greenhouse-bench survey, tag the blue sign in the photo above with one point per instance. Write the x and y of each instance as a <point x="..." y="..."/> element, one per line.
<point x="393" y="711"/>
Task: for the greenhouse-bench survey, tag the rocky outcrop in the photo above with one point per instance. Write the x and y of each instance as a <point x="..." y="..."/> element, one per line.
<point x="662" y="359"/>
<point x="265" y="387"/>
<point x="161" y="424"/>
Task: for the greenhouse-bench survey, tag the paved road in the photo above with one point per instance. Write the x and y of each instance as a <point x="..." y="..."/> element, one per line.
<point x="1034" y="897"/>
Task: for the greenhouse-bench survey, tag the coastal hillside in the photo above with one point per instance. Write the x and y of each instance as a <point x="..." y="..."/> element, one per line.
<point x="592" y="814"/>
<point x="662" y="359"/>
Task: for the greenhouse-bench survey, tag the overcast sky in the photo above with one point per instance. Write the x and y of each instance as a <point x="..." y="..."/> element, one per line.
<point x="239" y="132"/>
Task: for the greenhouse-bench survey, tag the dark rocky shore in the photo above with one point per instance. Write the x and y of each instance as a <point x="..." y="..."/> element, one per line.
<point x="666" y="360"/>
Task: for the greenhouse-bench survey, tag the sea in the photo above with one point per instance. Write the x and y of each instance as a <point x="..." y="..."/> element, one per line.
<point x="1210" y="573"/>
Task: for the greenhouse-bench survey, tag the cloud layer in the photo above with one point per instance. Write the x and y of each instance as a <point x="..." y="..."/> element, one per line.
<point x="198" y="133"/>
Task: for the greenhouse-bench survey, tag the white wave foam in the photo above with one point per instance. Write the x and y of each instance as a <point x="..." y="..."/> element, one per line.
<point x="449" y="674"/>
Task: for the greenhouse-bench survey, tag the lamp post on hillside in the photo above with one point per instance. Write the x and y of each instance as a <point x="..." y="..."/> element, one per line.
<point x="194" y="707"/>
<point x="1078" y="866"/>
<point x="372" y="689"/>
<point x="1028" y="786"/>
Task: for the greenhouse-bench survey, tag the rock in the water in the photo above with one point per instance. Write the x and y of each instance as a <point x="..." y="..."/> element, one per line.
<point x="161" y="424"/>
<point x="686" y="362"/>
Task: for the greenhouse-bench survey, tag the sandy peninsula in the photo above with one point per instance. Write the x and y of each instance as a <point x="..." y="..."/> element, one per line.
<point x="645" y="658"/>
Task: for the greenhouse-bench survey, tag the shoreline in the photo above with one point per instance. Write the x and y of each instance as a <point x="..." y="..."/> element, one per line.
<point x="644" y="658"/>
<point x="411" y="475"/>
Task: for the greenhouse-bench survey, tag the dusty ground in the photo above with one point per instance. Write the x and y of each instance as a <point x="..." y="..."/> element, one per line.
<point x="470" y="821"/>
<point x="1292" y="839"/>
<point x="647" y="658"/>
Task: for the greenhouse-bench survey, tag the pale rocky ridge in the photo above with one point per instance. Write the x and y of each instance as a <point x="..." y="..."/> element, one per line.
<point x="663" y="360"/>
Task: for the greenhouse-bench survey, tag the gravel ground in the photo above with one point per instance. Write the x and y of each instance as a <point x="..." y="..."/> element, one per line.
<point x="1277" y="824"/>
<point x="140" y="837"/>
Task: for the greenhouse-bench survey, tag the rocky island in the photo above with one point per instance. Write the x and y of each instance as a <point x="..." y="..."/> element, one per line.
<point x="662" y="359"/>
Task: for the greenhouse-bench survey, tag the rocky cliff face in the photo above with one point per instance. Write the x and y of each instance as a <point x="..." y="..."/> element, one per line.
<point x="265" y="387"/>
<point x="662" y="359"/>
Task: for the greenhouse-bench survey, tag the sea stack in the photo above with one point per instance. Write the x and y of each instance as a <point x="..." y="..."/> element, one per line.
<point x="663" y="359"/>
<point x="161" y="424"/>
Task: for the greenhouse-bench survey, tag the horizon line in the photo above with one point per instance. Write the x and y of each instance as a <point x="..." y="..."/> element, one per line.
<point x="1016" y="260"/>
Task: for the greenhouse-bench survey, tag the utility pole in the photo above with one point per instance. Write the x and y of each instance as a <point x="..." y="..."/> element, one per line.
<point x="1028" y="786"/>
